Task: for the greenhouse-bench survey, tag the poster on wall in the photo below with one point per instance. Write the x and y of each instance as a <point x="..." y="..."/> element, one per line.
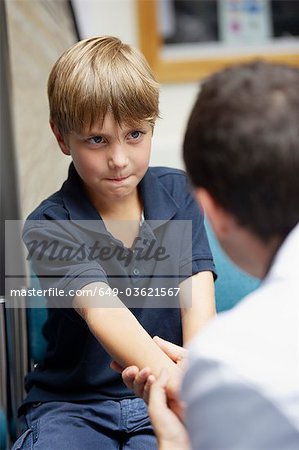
<point x="244" y="21"/>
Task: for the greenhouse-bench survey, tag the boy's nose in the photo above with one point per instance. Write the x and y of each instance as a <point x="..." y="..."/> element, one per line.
<point x="118" y="157"/>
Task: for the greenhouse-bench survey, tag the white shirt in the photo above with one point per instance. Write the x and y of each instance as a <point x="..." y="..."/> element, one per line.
<point x="242" y="384"/>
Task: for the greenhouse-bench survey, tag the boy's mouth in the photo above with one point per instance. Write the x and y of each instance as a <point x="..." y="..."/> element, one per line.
<point x="118" y="179"/>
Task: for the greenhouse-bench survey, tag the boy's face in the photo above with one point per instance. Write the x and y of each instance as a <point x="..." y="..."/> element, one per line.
<point x="110" y="159"/>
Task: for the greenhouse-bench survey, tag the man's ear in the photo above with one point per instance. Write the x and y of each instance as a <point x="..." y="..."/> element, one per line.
<point x="221" y="220"/>
<point x="60" y="139"/>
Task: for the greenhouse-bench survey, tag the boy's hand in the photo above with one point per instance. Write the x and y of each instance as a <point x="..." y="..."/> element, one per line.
<point x="137" y="380"/>
<point x="140" y="381"/>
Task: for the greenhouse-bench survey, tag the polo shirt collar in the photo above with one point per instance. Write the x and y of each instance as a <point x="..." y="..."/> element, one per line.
<point x="75" y="199"/>
<point x="158" y="203"/>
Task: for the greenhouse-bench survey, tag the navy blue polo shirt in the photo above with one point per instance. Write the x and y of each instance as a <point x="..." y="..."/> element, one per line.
<point x="76" y="367"/>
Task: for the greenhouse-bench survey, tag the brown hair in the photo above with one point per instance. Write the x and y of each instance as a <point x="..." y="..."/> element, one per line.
<point x="98" y="75"/>
<point x="242" y="145"/>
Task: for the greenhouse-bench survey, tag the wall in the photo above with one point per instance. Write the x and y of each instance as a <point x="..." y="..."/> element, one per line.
<point x="111" y="17"/>
<point x="39" y="31"/>
<point x="176" y="101"/>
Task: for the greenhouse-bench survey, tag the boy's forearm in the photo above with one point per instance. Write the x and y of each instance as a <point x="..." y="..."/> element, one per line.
<point x="164" y="445"/>
<point x="126" y="341"/>
<point x="124" y="338"/>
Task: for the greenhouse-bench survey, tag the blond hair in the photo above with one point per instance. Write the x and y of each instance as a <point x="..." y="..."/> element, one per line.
<point x="100" y="75"/>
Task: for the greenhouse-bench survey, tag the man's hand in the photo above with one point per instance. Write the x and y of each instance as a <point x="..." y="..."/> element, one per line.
<point x="170" y="431"/>
<point x="175" y="352"/>
<point x="165" y="410"/>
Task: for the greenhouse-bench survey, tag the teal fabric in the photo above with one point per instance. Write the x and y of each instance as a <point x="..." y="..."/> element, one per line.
<point x="232" y="284"/>
<point x="36" y="318"/>
<point x="3" y="431"/>
<point x="37" y="343"/>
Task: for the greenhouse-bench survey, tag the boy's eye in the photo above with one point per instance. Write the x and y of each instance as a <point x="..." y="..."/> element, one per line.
<point x="96" y="140"/>
<point x="135" y="134"/>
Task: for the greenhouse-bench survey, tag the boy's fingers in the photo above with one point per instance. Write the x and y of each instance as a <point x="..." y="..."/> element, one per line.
<point x="175" y="352"/>
<point x="128" y="375"/>
<point x="117" y="367"/>
<point x="140" y="381"/>
<point x="151" y="379"/>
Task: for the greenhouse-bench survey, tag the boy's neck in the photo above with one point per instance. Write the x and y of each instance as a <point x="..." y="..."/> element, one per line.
<point x="122" y="218"/>
<point x="125" y="208"/>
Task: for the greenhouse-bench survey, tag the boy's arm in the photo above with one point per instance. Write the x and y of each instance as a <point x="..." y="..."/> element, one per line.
<point x="197" y="299"/>
<point x="120" y="333"/>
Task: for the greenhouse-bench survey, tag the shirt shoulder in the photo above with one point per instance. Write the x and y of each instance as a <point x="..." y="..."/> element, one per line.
<point x="52" y="208"/>
<point x="253" y="336"/>
<point x="162" y="171"/>
<point x="247" y="355"/>
<point x="175" y="182"/>
<point x="169" y="176"/>
<point x="211" y="387"/>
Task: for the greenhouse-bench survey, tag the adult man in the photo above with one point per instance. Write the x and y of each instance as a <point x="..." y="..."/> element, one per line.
<point x="241" y="150"/>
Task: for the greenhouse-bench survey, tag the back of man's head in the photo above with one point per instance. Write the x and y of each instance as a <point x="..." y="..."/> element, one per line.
<point x="242" y="145"/>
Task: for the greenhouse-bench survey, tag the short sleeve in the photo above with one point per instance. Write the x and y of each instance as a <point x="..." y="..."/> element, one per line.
<point x="202" y="259"/>
<point x="59" y="255"/>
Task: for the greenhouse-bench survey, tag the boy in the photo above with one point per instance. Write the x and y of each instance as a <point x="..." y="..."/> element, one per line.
<point x="241" y="150"/>
<point x="98" y="235"/>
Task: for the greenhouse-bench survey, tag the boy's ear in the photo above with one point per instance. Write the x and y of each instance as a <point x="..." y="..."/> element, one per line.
<point x="60" y="139"/>
<point x="221" y="220"/>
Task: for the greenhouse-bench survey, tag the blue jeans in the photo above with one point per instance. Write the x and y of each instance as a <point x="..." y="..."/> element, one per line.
<point x="108" y="424"/>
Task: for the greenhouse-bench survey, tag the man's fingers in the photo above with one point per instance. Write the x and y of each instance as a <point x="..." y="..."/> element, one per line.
<point x="147" y="387"/>
<point x="157" y="393"/>
<point x="175" y="352"/>
<point x="168" y="427"/>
